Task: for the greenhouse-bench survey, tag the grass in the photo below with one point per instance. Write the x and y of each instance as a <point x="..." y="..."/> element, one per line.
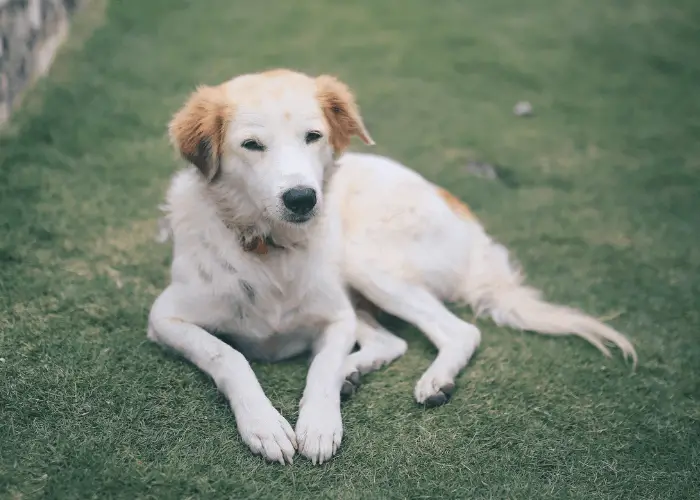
<point x="598" y="198"/>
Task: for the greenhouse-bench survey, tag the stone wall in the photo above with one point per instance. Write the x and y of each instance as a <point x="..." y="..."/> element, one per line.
<point x="30" y="33"/>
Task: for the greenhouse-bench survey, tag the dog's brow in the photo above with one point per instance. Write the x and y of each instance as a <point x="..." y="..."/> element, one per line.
<point x="256" y="119"/>
<point x="251" y="119"/>
<point x="315" y="115"/>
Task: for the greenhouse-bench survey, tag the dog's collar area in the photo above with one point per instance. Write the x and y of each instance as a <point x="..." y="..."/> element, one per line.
<point x="260" y="245"/>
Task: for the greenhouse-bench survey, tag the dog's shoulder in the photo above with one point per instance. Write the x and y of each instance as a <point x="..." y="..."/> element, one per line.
<point x="186" y="199"/>
<point x="200" y="242"/>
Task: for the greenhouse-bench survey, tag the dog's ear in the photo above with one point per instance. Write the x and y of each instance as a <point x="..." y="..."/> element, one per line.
<point x="198" y="129"/>
<point x="341" y="112"/>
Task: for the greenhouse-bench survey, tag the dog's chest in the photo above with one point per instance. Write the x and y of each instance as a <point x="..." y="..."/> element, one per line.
<point x="265" y="310"/>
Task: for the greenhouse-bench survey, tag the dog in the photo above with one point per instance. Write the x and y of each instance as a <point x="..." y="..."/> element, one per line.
<point x="285" y="244"/>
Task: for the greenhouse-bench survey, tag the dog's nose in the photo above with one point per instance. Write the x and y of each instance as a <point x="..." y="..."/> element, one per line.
<point x="299" y="200"/>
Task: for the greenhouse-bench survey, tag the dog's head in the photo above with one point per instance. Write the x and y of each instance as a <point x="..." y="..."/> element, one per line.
<point x="268" y="140"/>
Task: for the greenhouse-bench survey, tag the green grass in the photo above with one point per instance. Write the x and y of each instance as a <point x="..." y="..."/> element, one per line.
<point x="599" y="200"/>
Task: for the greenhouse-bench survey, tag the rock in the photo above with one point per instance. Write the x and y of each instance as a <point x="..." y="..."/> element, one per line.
<point x="482" y="169"/>
<point x="522" y="108"/>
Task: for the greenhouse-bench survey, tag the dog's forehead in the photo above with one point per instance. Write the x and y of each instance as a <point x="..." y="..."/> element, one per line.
<point x="279" y="93"/>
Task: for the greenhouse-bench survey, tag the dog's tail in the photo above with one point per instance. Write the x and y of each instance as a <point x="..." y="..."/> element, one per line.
<point x="494" y="285"/>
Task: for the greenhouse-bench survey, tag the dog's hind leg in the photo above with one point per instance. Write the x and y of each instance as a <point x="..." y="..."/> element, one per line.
<point x="456" y="340"/>
<point x="378" y="347"/>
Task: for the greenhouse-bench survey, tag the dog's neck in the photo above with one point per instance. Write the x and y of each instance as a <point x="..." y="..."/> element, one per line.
<point x="259" y="235"/>
<point x="260" y="244"/>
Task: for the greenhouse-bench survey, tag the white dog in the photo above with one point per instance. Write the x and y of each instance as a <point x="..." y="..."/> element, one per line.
<point x="272" y="230"/>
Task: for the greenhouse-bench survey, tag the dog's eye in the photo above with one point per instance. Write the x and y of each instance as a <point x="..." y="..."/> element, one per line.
<point x="313" y="136"/>
<point x="252" y="145"/>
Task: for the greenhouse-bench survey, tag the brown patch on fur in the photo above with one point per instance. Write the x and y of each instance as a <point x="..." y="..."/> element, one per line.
<point x="457" y="205"/>
<point x="198" y="129"/>
<point x="256" y="245"/>
<point x="341" y="112"/>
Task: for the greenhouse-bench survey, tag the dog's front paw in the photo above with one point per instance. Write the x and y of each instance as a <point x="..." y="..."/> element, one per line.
<point x="267" y="433"/>
<point x="319" y="430"/>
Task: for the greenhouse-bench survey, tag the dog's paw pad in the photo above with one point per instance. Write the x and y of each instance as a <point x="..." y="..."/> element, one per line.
<point x="438" y="399"/>
<point x="350" y="385"/>
<point x="442" y="396"/>
<point x="432" y="392"/>
<point x="448" y="389"/>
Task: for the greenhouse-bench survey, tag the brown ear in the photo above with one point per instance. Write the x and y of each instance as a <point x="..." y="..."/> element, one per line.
<point x="341" y="112"/>
<point x="198" y="130"/>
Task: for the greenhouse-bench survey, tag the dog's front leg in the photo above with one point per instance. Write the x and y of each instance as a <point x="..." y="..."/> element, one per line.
<point x="319" y="429"/>
<point x="260" y="425"/>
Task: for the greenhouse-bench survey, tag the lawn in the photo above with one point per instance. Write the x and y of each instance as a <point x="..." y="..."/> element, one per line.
<point x="598" y="196"/>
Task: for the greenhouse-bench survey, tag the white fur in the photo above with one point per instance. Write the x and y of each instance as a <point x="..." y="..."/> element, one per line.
<point x="380" y="228"/>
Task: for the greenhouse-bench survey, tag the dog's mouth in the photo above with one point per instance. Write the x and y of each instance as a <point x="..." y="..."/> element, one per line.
<point x="299" y="219"/>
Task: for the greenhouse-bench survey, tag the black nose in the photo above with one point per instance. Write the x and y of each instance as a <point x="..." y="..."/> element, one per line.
<point x="299" y="200"/>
